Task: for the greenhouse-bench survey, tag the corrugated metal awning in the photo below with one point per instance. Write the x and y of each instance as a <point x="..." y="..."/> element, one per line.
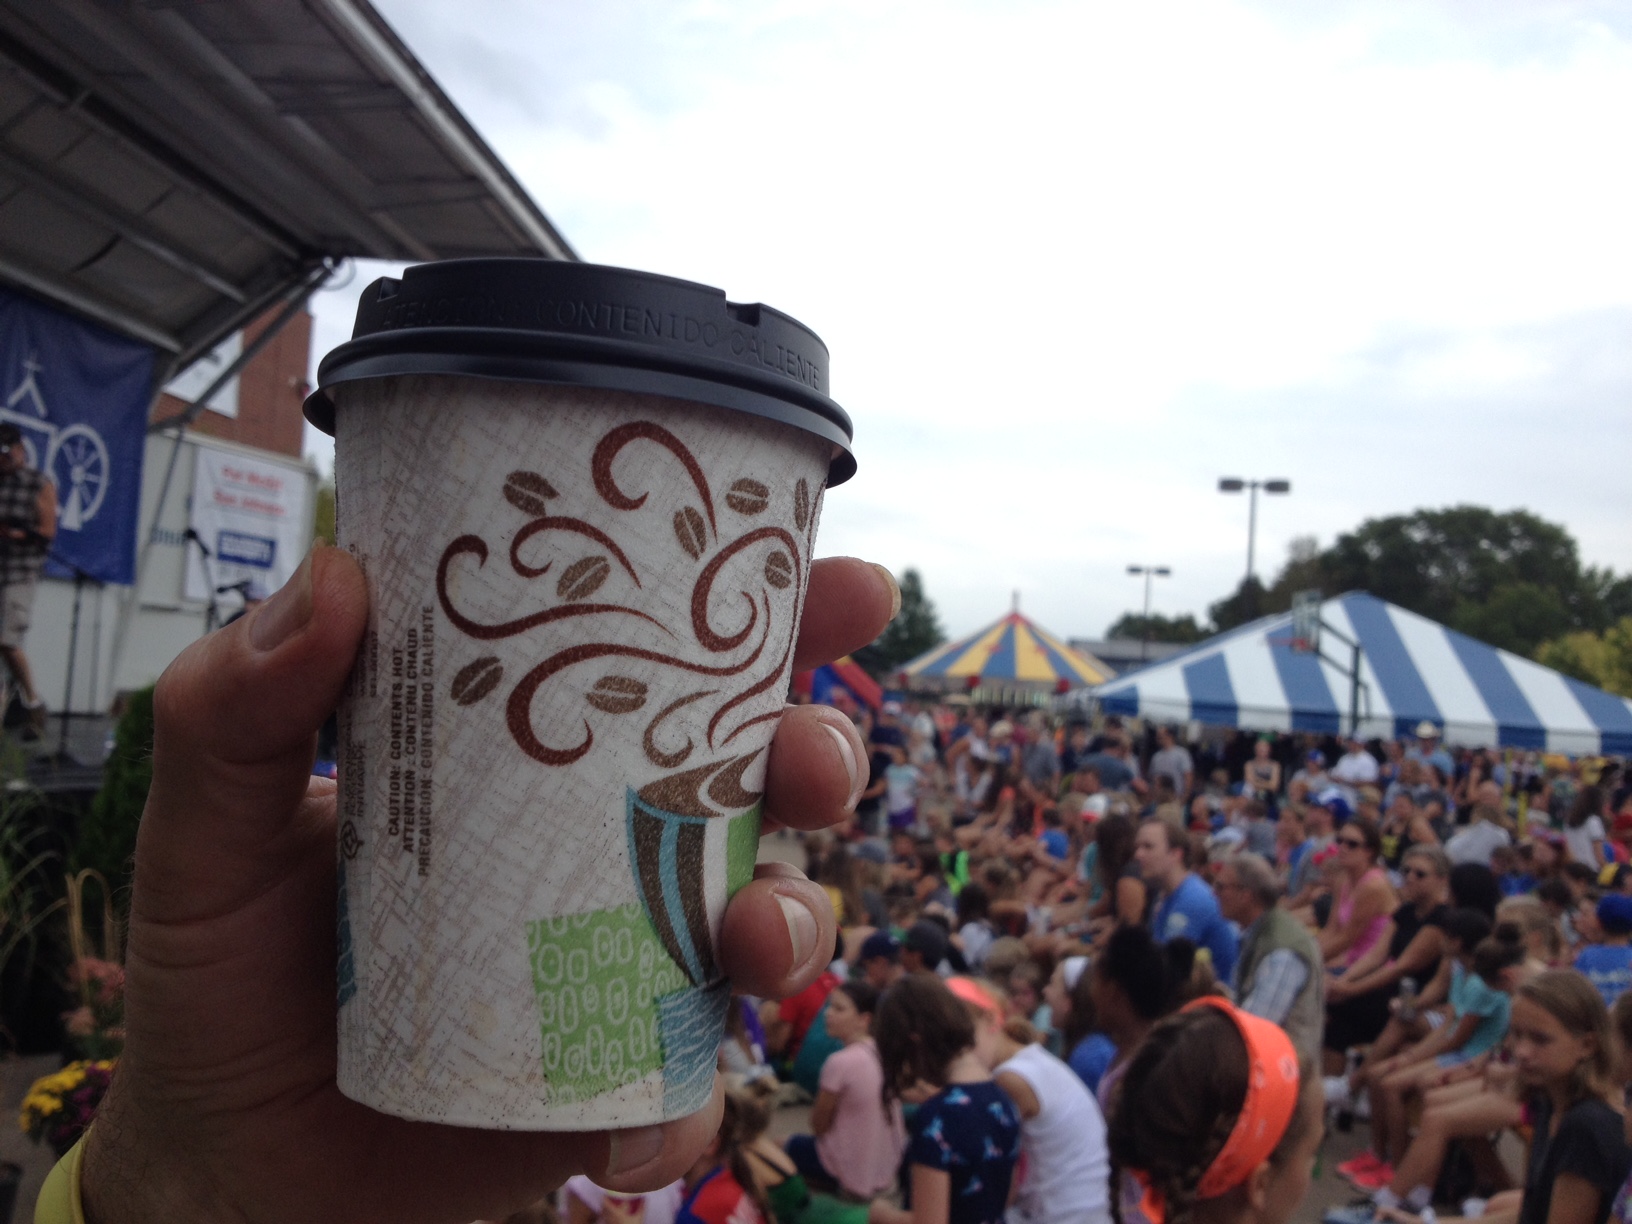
<point x="173" y="168"/>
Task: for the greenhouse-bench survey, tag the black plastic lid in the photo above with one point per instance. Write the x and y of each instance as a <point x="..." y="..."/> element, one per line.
<point x="587" y="325"/>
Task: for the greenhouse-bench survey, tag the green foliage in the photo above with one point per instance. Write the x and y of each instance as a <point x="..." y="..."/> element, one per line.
<point x="1249" y="602"/>
<point x="1447" y="564"/>
<point x="915" y="629"/>
<point x="107" y="838"/>
<point x="1516" y="618"/>
<point x="26" y="868"/>
<point x="1511" y="578"/>
<point x="323" y="514"/>
<point x="1183" y="629"/>
<point x="1602" y="659"/>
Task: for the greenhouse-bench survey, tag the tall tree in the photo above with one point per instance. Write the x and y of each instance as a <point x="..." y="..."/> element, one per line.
<point x="1248" y="602"/>
<point x="1603" y="659"/>
<point x="914" y="630"/>
<point x="1446" y="564"/>
<point x="1183" y="629"/>
<point x="1508" y="578"/>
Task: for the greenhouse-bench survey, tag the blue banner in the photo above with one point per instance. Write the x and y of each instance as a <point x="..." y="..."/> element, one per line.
<point x="80" y="394"/>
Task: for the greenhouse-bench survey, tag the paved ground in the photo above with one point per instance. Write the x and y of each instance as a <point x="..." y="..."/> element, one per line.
<point x="16" y="1074"/>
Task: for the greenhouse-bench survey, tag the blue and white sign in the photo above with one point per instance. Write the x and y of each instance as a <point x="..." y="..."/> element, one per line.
<point x="79" y="393"/>
<point x="251" y="512"/>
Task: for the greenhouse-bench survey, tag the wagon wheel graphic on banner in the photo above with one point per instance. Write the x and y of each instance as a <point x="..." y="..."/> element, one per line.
<point x="79" y="467"/>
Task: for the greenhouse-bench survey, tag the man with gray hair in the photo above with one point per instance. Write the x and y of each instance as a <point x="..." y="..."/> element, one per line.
<point x="1278" y="974"/>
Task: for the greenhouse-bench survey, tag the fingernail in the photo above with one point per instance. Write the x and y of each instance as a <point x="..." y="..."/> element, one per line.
<point x="802" y="929"/>
<point x="895" y="589"/>
<point x="852" y="767"/>
<point x="286" y="613"/>
<point x="633" y="1148"/>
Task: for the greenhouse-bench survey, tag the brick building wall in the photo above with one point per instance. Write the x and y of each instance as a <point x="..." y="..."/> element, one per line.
<point x="271" y="389"/>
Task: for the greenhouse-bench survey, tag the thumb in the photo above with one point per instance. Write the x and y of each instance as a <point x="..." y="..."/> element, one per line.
<point x="235" y="720"/>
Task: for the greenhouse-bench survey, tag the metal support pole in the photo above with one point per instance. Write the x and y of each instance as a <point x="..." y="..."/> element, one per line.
<point x="68" y="683"/>
<point x="1144" y="646"/>
<point x="1252" y="527"/>
<point x="297" y="302"/>
<point x="1354" y="693"/>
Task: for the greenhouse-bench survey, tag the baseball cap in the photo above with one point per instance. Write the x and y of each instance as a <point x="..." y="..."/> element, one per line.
<point x="1615" y="913"/>
<point x="1001" y="730"/>
<point x="928" y="939"/>
<point x="892" y="707"/>
<point x="871" y="849"/>
<point x="1335" y="802"/>
<point x="10" y="435"/>
<point x="1316" y="756"/>
<point x="880" y="943"/>
<point x="1427" y="730"/>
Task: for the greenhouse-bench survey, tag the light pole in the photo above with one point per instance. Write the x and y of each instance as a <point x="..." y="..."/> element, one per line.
<point x="1234" y="484"/>
<point x="1149" y="571"/>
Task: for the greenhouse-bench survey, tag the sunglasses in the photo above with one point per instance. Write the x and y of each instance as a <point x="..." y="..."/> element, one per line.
<point x="1351" y="844"/>
<point x="1416" y="873"/>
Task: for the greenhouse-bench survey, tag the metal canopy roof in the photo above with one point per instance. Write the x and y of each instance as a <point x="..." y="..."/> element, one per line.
<point x="173" y="167"/>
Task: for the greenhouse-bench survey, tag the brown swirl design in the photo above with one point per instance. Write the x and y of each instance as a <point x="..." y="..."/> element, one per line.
<point x="682" y="793"/>
<point x="654" y="754"/>
<point x="780" y="571"/>
<point x="518" y="711"/>
<point x="606" y="450"/>
<point x="749" y="693"/>
<point x="705" y="587"/>
<point x="556" y="523"/>
<point x="477" y="546"/>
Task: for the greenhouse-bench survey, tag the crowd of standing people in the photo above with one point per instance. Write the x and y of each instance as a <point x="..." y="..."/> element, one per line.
<point x="1079" y="964"/>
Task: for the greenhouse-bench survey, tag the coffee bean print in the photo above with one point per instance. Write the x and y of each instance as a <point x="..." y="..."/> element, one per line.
<point x="617" y="694"/>
<point x="779" y="571"/>
<point x="691" y="531"/>
<point x="527" y="492"/>
<point x="747" y="496"/>
<point x="476" y="680"/>
<point x="583" y="578"/>
<point x="801" y="504"/>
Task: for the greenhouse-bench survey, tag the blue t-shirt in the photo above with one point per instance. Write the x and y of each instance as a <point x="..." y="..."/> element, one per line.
<point x="1513" y="884"/>
<point x="1191" y="912"/>
<point x="1471" y="997"/>
<point x="1056" y="843"/>
<point x="1091" y="1057"/>
<point x="1608" y="967"/>
<point x="972" y="1132"/>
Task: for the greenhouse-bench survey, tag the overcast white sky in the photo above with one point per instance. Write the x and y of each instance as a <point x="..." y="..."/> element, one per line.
<point x="1075" y="261"/>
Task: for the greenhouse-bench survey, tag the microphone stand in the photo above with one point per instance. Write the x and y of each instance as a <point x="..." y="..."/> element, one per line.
<point x="212" y="608"/>
<point x="62" y="756"/>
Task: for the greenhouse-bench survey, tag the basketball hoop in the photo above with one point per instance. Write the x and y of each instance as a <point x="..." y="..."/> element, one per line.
<point x="1306" y="622"/>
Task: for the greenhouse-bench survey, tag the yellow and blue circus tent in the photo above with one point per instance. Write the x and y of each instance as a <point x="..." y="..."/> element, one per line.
<point x="1012" y="651"/>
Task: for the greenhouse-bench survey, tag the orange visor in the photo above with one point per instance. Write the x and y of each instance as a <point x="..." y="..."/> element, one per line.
<point x="1272" y="1096"/>
<point x="973" y="993"/>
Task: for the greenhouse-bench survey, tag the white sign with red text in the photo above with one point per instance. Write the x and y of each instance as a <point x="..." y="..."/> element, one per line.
<point x="251" y="516"/>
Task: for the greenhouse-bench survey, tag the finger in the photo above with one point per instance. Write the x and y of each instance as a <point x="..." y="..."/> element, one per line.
<point x="817" y="768"/>
<point x="778" y="933"/>
<point x="503" y="1171"/>
<point x="235" y="718"/>
<point x="848" y="605"/>
<point x="682" y="1142"/>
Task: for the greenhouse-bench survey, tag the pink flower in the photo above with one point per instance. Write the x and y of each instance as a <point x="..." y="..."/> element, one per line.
<point x="81" y="1022"/>
<point x="105" y="980"/>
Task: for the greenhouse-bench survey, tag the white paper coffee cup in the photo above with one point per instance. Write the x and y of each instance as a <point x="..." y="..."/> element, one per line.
<point x="583" y="608"/>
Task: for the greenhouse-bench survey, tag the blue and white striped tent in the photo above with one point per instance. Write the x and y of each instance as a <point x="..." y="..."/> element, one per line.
<point x="1412" y="668"/>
